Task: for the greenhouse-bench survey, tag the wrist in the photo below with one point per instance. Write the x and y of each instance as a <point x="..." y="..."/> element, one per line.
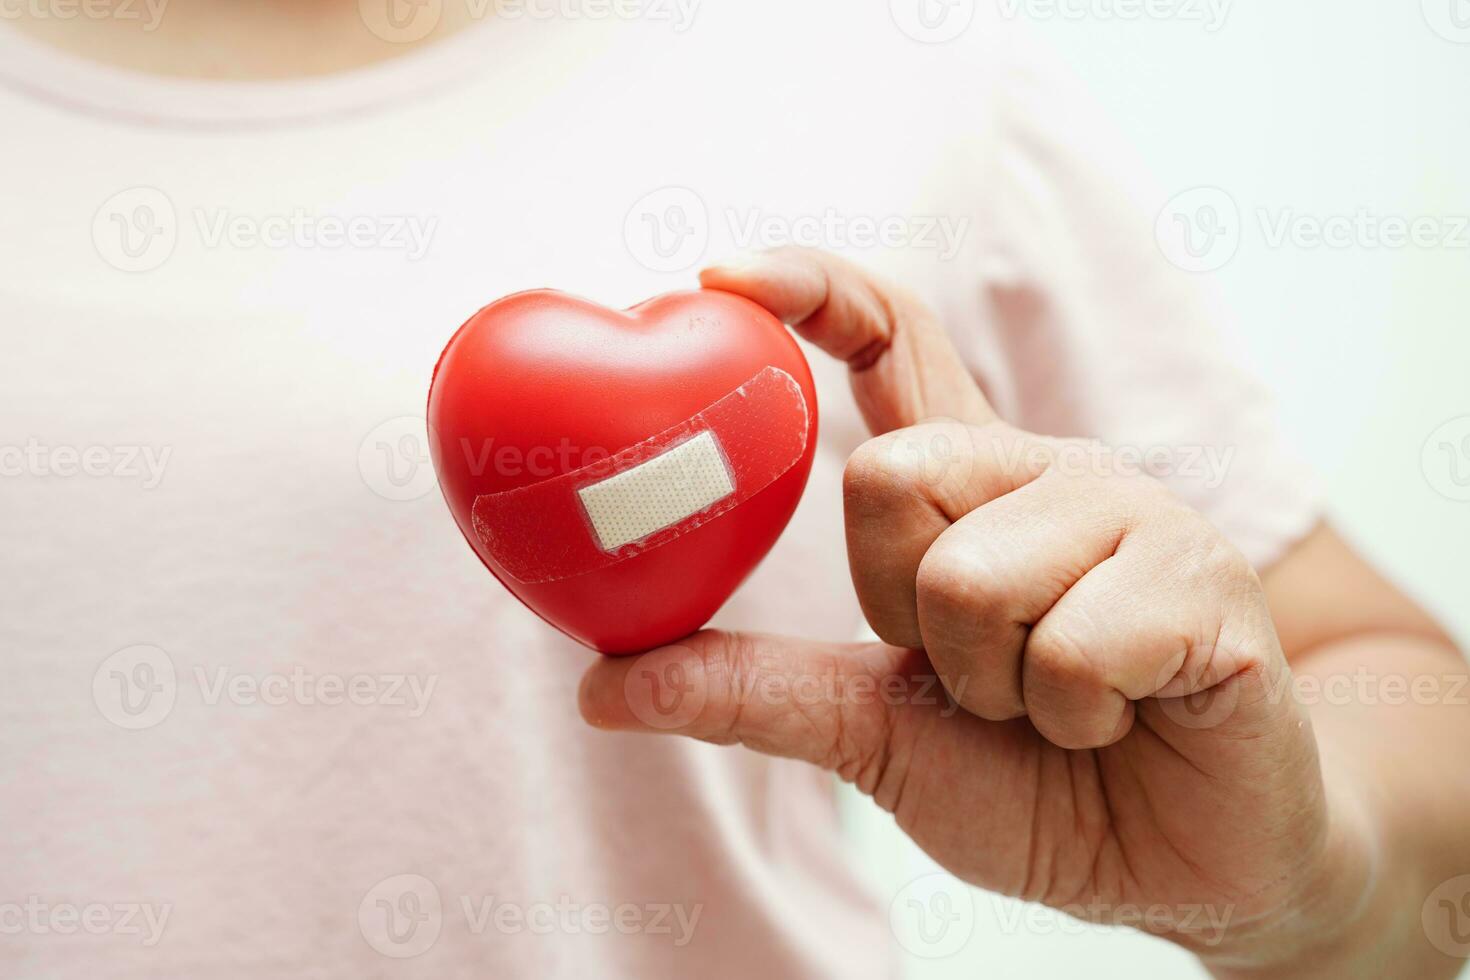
<point x="1333" y="916"/>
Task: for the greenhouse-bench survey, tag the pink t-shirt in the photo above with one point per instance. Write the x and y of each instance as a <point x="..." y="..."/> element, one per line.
<point x="265" y="714"/>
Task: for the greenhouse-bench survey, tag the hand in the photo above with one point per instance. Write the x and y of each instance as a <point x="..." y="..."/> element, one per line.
<point x="1118" y="732"/>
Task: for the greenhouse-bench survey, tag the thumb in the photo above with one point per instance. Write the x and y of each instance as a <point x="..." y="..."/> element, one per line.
<point x="839" y="706"/>
<point x="904" y="367"/>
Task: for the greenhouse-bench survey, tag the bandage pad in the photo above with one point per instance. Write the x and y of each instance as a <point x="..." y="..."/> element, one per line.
<point x="650" y="493"/>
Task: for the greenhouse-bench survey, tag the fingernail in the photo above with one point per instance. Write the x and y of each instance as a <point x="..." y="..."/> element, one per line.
<point x="742" y="262"/>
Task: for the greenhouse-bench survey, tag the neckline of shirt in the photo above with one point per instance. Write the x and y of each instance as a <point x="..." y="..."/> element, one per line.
<point x="119" y="94"/>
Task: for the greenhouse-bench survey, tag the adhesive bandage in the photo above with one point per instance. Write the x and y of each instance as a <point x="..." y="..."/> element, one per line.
<point x="650" y="493"/>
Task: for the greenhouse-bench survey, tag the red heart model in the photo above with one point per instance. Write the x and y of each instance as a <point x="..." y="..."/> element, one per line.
<point x="622" y="472"/>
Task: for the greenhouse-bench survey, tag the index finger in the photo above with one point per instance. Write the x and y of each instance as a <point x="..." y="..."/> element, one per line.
<point x="903" y="366"/>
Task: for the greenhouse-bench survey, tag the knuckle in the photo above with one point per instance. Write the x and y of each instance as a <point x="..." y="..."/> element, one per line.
<point x="1139" y="492"/>
<point x="875" y="469"/>
<point x="860" y="748"/>
<point x="728" y="661"/>
<point x="1095" y="468"/>
<point x="1056" y="657"/>
<point x="1147" y="494"/>
<point x="958" y="583"/>
<point x="1215" y="562"/>
<point x="901" y="465"/>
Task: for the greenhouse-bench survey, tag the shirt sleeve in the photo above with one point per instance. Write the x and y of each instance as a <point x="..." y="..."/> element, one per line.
<point x="1076" y="323"/>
